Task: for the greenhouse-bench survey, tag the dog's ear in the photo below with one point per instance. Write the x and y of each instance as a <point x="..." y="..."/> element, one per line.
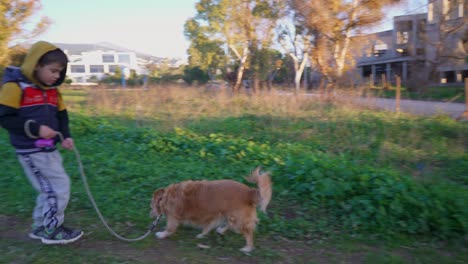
<point x="158" y="193"/>
<point x="253" y="175"/>
<point x="257" y="171"/>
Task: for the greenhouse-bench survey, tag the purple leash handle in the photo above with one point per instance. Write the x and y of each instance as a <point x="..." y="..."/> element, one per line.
<point x="43" y="143"/>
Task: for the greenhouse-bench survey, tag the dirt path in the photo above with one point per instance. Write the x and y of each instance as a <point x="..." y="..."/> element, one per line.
<point x="15" y="229"/>
<point x="181" y="250"/>
<point x="453" y="110"/>
<point x="16" y="246"/>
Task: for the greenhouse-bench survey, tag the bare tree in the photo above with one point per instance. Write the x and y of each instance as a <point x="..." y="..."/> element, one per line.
<point x="296" y="41"/>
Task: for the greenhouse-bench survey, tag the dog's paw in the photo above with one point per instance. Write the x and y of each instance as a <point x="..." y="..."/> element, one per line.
<point x="200" y="235"/>
<point x="246" y="249"/>
<point x="161" y="235"/>
<point x="221" y="230"/>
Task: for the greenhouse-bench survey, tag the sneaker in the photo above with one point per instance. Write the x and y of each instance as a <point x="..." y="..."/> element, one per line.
<point x="37" y="233"/>
<point x="61" y="235"/>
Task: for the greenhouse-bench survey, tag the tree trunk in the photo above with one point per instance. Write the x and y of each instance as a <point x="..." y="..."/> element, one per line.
<point x="340" y="55"/>
<point x="240" y="71"/>
<point x="298" y="70"/>
<point x="270" y="79"/>
<point x="240" y="74"/>
<point x="255" y="83"/>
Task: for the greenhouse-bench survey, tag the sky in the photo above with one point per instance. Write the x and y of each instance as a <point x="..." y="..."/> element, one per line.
<point x="404" y="8"/>
<point x="154" y="27"/>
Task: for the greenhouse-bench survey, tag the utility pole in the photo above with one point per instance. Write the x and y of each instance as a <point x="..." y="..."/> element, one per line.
<point x="464" y="116"/>
<point x="398" y="93"/>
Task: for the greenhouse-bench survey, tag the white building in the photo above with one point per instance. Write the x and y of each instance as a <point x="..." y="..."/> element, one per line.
<point x="91" y="62"/>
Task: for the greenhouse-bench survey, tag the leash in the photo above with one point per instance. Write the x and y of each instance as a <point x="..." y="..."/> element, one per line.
<point x="41" y="142"/>
<point x="91" y="198"/>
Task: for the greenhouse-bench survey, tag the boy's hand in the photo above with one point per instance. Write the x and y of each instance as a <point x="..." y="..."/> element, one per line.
<point x="68" y="143"/>
<point x="46" y="132"/>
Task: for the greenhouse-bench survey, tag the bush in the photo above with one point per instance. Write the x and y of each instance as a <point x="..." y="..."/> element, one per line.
<point x="195" y="74"/>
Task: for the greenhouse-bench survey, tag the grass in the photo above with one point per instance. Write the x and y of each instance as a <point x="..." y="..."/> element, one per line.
<point x="350" y="184"/>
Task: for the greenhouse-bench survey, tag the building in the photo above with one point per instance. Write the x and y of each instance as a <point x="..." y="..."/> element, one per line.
<point x="89" y="63"/>
<point x="420" y="46"/>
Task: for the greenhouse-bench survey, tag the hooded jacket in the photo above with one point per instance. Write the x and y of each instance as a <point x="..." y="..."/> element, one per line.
<point x="26" y="103"/>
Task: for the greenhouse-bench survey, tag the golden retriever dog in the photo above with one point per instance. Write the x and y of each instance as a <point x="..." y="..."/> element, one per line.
<point x="221" y="204"/>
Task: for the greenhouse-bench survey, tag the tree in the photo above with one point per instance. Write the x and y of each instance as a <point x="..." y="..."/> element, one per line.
<point x="204" y="54"/>
<point x="241" y="26"/>
<point x="296" y="42"/>
<point x="266" y="63"/>
<point x="17" y="54"/>
<point x="118" y="73"/>
<point x="332" y="23"/>
<point x="14" y="15"/>
<point x="195" y="74"/>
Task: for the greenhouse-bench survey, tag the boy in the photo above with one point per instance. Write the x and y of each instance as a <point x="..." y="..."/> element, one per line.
<point x="33" y="113"/>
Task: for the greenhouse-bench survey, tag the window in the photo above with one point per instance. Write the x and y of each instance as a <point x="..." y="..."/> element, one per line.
<point x="113" y="68"/>
<point x="77" y="68"/>
<point x="404" y="29"/>
<point x="380" y="49"/>
<point x="402" y="37"/>
<point x="450" y="76"/>
<point x="96" y="68"/>
<point x="108" y="58"/>
<point x="421" y="31"/>
<point x="446" y="8"/>
<point x="124" y="58"/>
<point x="452" y="9"/>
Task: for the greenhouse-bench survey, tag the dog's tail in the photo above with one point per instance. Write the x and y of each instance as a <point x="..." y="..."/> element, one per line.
<point x="263" y="181"/>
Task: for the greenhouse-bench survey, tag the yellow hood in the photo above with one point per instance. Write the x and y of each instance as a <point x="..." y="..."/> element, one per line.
<point x="32" y="58"/>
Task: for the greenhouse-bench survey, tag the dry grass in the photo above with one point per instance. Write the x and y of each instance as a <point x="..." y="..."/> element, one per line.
<point x="174" y="105"/>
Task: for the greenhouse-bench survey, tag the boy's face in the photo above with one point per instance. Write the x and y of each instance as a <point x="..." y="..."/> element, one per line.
<point x="48" y="74"/>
